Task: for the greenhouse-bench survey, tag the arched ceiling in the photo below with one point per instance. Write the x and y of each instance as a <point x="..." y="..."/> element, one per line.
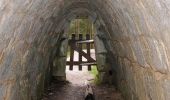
<point x="138" y="30"/>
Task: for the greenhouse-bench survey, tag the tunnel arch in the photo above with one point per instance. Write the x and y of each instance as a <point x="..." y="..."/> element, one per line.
<point x="101" y="34"/>
<point x="138" y="32"/>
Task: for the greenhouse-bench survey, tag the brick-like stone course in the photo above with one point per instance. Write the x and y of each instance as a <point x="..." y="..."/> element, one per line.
<point x="138" y="32"/>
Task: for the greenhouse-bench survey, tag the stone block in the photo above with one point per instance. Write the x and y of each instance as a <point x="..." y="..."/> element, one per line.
<point x="59" y="65"/>
<point x="158" y="56"/>
<point x="100" y="47"/>
<point x="139" y="82"/>
<point x="102" y="77"/>
<point x="129" y="51"/>
<point x="166" y="89"/>
<point x="137" y="49"/>
<point x="151" y="86"/>
<point x="63" y="48"/>
<point x="121" y="49"/>
<point x="101" y="62"/>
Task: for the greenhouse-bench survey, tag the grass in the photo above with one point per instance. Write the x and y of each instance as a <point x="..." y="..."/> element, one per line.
<point x="94" y="70"/>
<point x="95" y="73"/>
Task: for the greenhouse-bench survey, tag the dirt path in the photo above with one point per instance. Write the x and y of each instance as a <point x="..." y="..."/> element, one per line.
<point x="75" y="88"/>
<point x="76" y="92"/>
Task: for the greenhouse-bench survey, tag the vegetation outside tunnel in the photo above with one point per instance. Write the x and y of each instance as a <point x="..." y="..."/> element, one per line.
<point x="95" y="73"/>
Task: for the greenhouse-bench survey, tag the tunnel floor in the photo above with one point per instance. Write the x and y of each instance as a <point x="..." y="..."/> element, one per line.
<point x="74" y="88"/>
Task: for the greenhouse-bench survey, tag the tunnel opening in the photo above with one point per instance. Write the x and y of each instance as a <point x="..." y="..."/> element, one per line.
<point x="81" y="59"/>
<point x="77" y="48"/>
<point x="84" y="48"/>
<point x="76" y="70"/>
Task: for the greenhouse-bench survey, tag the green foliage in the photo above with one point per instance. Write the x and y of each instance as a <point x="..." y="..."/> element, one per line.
<point x="82" y="26"/>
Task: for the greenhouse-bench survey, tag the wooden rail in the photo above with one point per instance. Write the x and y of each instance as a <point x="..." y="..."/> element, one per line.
<point x="77" y="45"/>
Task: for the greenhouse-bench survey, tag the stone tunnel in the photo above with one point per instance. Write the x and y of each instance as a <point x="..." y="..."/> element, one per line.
<point x="135" y="35"/>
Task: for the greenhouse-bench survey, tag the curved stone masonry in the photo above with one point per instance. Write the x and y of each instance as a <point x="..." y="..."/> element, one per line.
<point x="136" y="38"/>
